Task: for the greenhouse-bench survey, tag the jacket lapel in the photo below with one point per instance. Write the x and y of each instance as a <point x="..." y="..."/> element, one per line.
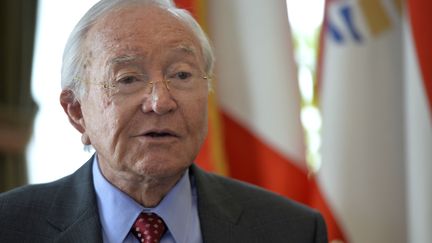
<point x="74" y="208"/>
<point x="85" y="229"/>
<point x="219" y="213"/>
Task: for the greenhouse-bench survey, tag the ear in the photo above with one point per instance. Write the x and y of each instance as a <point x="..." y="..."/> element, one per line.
<point x="72" y="108"/>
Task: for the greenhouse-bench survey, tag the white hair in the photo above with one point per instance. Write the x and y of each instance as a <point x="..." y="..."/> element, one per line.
<point x="75" y="54"/>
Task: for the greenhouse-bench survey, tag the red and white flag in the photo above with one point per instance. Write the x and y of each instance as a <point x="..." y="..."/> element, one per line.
<point x="258" y="94"/>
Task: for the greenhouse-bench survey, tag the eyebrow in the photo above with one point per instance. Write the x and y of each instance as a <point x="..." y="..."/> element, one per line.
<point x="181" y="48"/>
<point x="186" y="48"/>
<point x="124" y="59"/>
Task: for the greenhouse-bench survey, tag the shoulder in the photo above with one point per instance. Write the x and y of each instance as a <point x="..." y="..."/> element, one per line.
<point x="30" y="199"/>
<point x="32" y="196"/>
<point x="41" y="196"/>
<point x="23" y="212"/>
<point x="32" y="210"/>
<point x="261" y="210"/>
<point x="250" y="195"/>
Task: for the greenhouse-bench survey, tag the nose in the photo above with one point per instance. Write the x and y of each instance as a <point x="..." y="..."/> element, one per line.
<point x="160" y="100"/>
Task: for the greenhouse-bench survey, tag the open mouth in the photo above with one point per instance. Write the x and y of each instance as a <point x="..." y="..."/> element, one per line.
<point x="159" y="134"/>
<point x="166" y="133"/>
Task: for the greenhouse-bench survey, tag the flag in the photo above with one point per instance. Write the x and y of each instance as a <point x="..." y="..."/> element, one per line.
<point x="257" y="91"/>
<point x="418" y="103"/>
<point x="256" y="88"/>
<point x="362" y="102"/>
<point x="258" y="101"/>
<point x="212" y="155"/>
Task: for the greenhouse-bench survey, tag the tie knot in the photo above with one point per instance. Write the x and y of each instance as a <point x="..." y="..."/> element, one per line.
<point x="148" y="228"/>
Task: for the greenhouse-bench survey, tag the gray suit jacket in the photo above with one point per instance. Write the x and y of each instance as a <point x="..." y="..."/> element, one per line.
<point x="229" y="211"/>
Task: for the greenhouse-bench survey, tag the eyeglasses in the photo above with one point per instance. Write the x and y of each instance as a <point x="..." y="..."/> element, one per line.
<point x="130" y="83"/>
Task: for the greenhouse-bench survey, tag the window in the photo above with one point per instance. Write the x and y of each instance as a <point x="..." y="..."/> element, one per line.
<point x="55" y="149"/>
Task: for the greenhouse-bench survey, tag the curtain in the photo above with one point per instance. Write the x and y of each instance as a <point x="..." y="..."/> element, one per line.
<point x="17" y="108"/>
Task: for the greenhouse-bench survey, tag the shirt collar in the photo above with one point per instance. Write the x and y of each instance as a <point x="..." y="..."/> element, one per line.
<point x="176" y="209"/>
<point x="118" y="211"/>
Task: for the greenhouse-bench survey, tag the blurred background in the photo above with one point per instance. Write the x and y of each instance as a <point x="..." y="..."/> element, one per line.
<point x="326" y="102"/>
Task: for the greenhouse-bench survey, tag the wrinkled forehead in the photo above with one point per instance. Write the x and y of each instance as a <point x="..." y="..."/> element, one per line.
<point x="140" y="30"/>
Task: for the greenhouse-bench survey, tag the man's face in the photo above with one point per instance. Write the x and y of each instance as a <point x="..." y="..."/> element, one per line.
<point x="152" y="132"/>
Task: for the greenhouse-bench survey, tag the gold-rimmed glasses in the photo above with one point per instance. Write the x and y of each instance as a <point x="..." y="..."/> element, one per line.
<point x="131" y="82"/>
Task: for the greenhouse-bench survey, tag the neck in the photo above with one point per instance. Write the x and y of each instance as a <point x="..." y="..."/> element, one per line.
<point x="146" y="190"/>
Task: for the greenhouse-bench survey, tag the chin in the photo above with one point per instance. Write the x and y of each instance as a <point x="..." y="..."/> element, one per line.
<point x="160" y="168"/>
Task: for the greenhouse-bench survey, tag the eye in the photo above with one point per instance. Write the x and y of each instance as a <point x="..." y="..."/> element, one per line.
<point x="129" y="79"/>
<point x="182" y="75"/>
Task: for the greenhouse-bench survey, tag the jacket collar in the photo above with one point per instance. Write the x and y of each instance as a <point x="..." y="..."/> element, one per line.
<point x="74" y="209"/>
<point x="219" y="212"/>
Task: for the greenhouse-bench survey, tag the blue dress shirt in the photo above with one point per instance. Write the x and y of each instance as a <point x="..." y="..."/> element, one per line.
<point x="118" y="211"/>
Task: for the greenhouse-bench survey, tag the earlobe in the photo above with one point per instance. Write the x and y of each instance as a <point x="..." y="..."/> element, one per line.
<point x="85" y="139"/>
<point x="72" y="108"/>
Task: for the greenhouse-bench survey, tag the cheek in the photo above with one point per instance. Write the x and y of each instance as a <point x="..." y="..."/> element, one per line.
<point x="197" y="116"/>
<point x="104" y="122"/>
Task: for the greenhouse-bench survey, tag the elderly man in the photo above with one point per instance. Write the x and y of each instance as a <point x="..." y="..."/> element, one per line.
<point x="135" y="82"/>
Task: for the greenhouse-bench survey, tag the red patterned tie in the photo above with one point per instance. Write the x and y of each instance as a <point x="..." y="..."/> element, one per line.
<point x="149" y="228"/>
